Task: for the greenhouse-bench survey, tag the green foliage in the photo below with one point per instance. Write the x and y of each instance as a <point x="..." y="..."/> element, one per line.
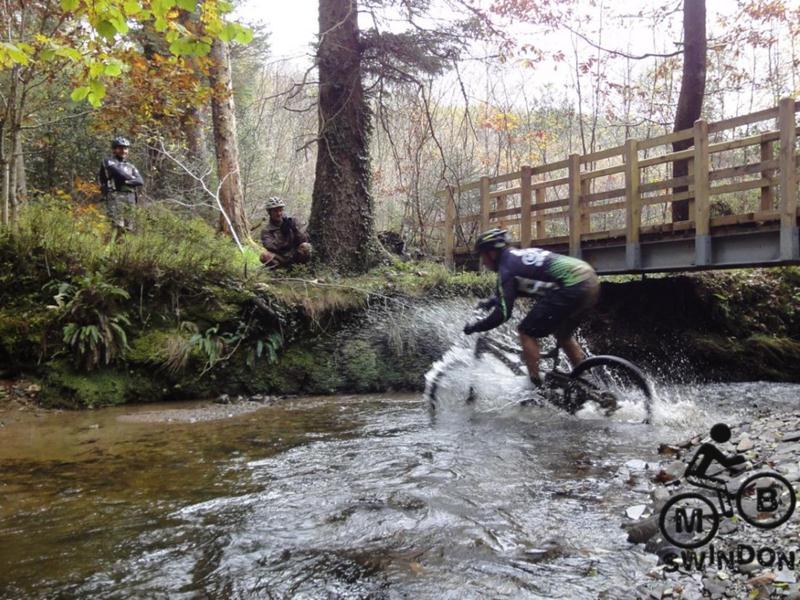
<point x="94" y="322"/>
<point x="265" y="347"/>
<point x="174" y="251"/>
<point x="94" y="58"/>
<point x="62" y="237"/>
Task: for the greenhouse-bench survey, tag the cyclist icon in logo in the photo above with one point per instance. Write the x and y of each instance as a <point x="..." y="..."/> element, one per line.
<point x="689" y="520"/>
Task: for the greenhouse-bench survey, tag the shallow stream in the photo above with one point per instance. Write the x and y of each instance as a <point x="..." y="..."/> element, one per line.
<point x="339" y="497"/>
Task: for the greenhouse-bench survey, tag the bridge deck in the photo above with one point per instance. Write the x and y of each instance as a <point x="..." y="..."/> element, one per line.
<point x="613" y="207"/>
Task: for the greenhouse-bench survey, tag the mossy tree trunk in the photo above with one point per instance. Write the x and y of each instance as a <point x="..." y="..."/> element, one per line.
<point x="342" y="217"/>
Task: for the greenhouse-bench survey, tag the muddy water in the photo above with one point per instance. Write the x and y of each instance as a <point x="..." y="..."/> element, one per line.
<point x="347" y="497"/>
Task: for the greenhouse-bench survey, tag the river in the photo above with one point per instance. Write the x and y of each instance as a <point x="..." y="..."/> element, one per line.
<point x="337" y="497"/>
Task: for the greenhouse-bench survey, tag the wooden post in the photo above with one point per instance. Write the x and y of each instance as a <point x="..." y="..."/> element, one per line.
<point x="690" y="173"/>
<point x="586" y="218"/>
<point x="484" y="203"/>
<point x="633" y="206"/>
<point x="767" y="192"/>
<point x="702" y="208"/>
<point x="540" y="199"/>
<point x="790" y="248"/>
<point x="574" y="205"/>
<point x="449" y="231"/>
<point x="525" y="208"/>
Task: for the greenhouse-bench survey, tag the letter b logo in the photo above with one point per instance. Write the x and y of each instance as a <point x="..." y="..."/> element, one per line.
<point x="766" y="500"/>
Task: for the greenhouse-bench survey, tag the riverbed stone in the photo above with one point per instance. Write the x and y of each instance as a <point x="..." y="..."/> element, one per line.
<point x="636" y="512"/>
<point x="745" y="444"/>
<point x="785" y="576"/>
<point x="791" y="436"/>
<point x="715" y="587"/>
<point x="762" y="579"/>
<point x="636" y="464"/>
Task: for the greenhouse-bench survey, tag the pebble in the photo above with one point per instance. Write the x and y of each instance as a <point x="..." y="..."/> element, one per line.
<point x="792" y="436"/>
<point x="748" y="567"/>
<point x="636" y="464"/>
<point x="715" y="587"/>
<point x="785" y="576"/>
<point x="745" y="445"/>
<point x="763" y="579"/>
<point x="636" y="512"/>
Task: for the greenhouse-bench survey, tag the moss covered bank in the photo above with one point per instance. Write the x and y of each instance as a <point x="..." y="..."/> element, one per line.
<point x="174" y="311"/>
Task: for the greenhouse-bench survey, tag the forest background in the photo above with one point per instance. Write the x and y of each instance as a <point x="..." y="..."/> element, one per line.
<point x="483" y="88"/>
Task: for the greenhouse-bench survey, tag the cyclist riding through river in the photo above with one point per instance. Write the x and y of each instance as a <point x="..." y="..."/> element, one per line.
<point x="567" y="288"/>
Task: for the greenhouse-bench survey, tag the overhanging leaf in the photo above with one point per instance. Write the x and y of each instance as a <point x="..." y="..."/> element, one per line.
<point x="79" y="93"/>
<point x="106" y="29"/>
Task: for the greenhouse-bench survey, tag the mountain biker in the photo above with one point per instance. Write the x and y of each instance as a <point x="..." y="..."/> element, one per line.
<point x="697" y="470"/>
<point x="568" y="289"/>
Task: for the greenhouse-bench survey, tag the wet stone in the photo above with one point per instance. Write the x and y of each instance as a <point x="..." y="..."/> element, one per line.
<point x="727" y="526"/>
<point x="715" y="587"/>
<point x="785" y="576"/>
<point x="636" y="464"/>
<point x="744" y="445"/>
<point x="791" y="436"/>
<point x="763" y="579"/>
<point x="788" y="449"/>
<point x="636" y="512"/>
<point x="750" y="567"/>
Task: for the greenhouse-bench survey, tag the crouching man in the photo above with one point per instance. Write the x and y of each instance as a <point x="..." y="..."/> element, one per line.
<point x="284" y="238"/>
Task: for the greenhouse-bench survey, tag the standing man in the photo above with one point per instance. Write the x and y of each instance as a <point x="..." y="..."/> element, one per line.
<point x="119" y="182"/>
<point x="284" y="238"/>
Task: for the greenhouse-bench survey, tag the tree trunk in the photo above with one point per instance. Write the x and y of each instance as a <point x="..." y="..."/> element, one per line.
<point x="693" y="85"/>
<point x="22" y="180"/>
<point x="12" y="179"/>
<point x="223" y="115"/>
<point x="194" y="136"/>
<point x="342" y="215"/>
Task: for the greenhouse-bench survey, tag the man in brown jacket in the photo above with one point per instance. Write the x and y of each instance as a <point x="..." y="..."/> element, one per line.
<point x="284" y="238"/>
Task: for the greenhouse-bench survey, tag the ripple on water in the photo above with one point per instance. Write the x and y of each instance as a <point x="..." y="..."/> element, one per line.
<point x="364" y="497"/>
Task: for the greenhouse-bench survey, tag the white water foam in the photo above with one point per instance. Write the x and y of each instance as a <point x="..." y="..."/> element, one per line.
<point x="458" y="375"/>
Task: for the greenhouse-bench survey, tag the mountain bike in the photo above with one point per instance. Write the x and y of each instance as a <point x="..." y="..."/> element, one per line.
<point x="604" y="380"/>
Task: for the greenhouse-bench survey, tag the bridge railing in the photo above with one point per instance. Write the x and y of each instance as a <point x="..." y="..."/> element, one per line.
<point x="624" y="194"/>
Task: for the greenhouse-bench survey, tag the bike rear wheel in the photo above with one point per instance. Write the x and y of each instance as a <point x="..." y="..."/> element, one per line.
<point x="609" y="380"/>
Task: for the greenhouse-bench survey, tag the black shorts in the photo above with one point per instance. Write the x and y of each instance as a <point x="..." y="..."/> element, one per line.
<point x="560" y="312"/>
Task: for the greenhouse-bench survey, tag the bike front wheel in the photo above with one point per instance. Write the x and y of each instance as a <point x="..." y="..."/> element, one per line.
<point x="610" y="381"/>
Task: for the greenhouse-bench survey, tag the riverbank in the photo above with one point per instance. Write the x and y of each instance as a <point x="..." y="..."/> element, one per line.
<point x="174" y="312"/>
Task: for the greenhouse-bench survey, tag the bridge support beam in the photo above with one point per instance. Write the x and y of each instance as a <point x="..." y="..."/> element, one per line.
<point x="790" y="243"/>
<point x="633" y="256"/>
<point x="702" y="250"/>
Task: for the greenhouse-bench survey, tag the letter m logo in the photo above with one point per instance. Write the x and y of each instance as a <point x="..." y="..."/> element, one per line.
<point x="693" y="523"/>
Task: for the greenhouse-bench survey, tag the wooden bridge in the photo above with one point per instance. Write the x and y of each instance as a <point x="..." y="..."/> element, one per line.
<point x="613" y="207"/>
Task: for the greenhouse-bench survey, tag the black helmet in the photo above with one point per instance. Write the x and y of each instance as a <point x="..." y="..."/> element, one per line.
<point x="120" y="142"/>
<point x="493" y="239"/>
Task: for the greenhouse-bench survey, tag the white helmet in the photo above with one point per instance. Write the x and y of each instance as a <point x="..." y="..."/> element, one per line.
<point x="275" y="202"/>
